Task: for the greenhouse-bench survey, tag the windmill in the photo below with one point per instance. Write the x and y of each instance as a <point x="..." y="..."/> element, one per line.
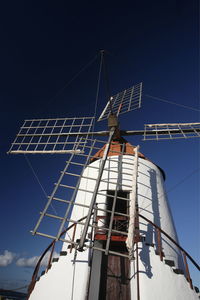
<point x="112" y="216"/>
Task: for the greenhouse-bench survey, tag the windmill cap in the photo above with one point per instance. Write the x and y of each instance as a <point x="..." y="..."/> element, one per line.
<point x="117" y="147"/>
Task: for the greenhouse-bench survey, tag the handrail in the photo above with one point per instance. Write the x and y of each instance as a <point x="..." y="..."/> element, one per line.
<point x="172" y="240"/>
<point x="52" y="244"/>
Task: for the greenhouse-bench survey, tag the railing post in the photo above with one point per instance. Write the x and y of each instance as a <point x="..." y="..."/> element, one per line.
<point x="187" y="270"/>
<point x="73" y="236"/>
<point x="159" y="244"/>
<point x="138" y="275"/>
<point x="172" y="240"/>
<point x="50" y="257"/>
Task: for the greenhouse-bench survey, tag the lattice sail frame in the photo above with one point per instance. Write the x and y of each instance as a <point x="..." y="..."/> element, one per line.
<point x="171" y="131"/>
<point x="123" y="102"/>
<point x="75" y="179"/>
<point x="60" y="135"/>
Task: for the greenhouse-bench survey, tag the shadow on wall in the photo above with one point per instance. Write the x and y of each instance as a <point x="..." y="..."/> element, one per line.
<point x="145" y="252"/>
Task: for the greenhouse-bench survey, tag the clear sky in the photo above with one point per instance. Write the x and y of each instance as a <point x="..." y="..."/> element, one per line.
<point x="44" y="44"/>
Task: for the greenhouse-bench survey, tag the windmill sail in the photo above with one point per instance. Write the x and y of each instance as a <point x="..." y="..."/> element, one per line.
<point x="123" y="102"/>
<point x="171" y="131"/>
<point x="61" y="135"/>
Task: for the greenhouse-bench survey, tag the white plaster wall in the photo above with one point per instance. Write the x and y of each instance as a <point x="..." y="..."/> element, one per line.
<point x="159" y="282"/>
<point x="65" y="280"/>
<point x="58" y="282"/>
<point x="151" y="198"/>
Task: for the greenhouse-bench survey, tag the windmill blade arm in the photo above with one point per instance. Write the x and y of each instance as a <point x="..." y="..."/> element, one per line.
<point x="166" y="131"/>
<point x="152" y="132"/>
<point x="171" y="131"/>
<point x="104" y="111"/>
<point x="102" y="133"/>
<point x="45" y="151"/>
<point x="131" y="132"/>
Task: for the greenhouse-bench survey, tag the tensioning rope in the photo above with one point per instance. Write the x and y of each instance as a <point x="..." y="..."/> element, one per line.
<point x="40" y="184"/>
<point x="35" y="175"/>
<point x="174" y="103"/>
<point x="98" y="86"/>
<point x="74" y="77"/>
<point x="175" y="186"/>
<point x="106" y="80"/>
<point x="58" y="93"/>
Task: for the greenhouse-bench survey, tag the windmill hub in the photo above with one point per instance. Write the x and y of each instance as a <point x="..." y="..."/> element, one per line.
<point x="113" y="121"/>
<point x="113" y="124"/>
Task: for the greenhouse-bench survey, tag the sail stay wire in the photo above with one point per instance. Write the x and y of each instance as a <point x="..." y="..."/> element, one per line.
<point x="106" y="80"/>
<point x="35" y="175"/>
<point x="175" y="186"/>
<point x="74" y="77"/>
<point x="97" y="91"/>
<point x="58" y="93"/>
<point x="40" y="184"/>
<point x="174" y="103"/>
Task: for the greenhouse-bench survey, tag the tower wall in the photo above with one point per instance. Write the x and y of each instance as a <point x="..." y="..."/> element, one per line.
<point x="152" y="200"/>
<point x="70" y="275"/>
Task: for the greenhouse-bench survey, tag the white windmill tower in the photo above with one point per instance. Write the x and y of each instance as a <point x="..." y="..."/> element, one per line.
<point x="119" y="240"/>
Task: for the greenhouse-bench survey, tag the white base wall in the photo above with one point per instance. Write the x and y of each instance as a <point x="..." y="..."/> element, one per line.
<point x="158" y="281"/>
<point x="68" y="281"/>
<point x="65" y="280"/>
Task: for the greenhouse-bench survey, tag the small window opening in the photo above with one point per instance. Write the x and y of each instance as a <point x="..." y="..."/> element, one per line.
<point x="120" y="223"/>
<point x="121" y="204"/>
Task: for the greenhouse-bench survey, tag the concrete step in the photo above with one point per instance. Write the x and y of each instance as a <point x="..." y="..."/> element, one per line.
<point x="169" y="262"/>
<point x="178" y="271"/>
<point x="55" y="259"/>
<point x="63" y="253"/>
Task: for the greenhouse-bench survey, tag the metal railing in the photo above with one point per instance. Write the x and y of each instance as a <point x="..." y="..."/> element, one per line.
<point x="119" y="234"/>
<point x="50" y="247"/>
<point x="184" y="253"/>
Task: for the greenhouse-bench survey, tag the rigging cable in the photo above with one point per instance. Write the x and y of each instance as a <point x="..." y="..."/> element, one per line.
<point x="58" y="93"/>
<point x="74" y="77"/>
<point x="106" y="80"/>
<point x="97" y="91"/>
<point x="98" y="86"/>
<point x="40" y="184"/>
<point x="35" y="175"/>
<point x="95" y="111"/>
<point x="174" y="103"/>
<point x="174" y="186"/>
<point x="182" y="180"/>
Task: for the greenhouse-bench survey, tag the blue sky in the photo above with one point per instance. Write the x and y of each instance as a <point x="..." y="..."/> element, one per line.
<point x="43" y="45"/>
